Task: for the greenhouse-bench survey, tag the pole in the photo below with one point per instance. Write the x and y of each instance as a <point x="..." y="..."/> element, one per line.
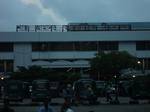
<point x="5" y="66"/>
<point x="143" y="66"/>
<point x="98" y="75"/>
<point x="116" y="89"/>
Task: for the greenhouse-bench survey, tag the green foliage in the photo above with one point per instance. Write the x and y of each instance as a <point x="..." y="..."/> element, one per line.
<point x="113" y="62"/>
<point x="144" y="82"/>
<point x="140" y="86"/>
<point x="37" y="72"/>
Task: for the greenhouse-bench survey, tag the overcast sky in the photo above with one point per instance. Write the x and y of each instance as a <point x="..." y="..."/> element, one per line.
<point x="13" y="12"/>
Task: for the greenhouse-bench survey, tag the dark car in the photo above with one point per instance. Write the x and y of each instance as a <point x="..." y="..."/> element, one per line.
<point x="101" y="85"/>
<point x="13" y="90"/>
<point x="26" y="87"/>
<point x="40" y="90"/>
<point x="54" y="89"/>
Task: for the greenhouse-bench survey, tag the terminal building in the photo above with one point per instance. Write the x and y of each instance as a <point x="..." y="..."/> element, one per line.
<point x="72" y="45"/>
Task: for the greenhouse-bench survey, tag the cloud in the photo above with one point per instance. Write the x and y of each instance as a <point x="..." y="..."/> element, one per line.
<point x="53" y="15"/>
<point x="30" y="2"/>
<point x="13" y="12"/>
<point x="102" y="10"/>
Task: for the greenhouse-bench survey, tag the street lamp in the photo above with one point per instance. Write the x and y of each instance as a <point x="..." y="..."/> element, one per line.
<point x="133" y="76"/>
<point x="143" y="65"/>
<point x="116" y="89"/>
<point x="2" y="78"/>
<point x="139" y="62"/>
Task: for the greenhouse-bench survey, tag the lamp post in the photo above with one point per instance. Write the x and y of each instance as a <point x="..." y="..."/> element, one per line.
<point x="116" y="89"/>
<point x="133" y="90"/>
<point x="98" y="75"/>
<point x="142" y="64"/>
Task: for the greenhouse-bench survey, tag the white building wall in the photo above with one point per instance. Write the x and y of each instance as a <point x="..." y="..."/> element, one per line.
<point x="74" y="36"/>
<point x="143" y="54"/>
<point x="64" y="55"/>
<point x="22" y="54"/>
<point x="131" y="48"/>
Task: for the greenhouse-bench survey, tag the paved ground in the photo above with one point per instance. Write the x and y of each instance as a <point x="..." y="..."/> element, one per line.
<point x="103" y="106"/>
<point x="59" y="101"/>
<point x="97" y="108"/>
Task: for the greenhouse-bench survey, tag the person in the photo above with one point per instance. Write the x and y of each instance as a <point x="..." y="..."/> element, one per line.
<point x="90" y="95"/>
<point x="46" y="107"/>
<point x="6" y="107"/>
<point x="108" y="95"/>
<point x="68" y="93"/>
<point x="66" y="107"/>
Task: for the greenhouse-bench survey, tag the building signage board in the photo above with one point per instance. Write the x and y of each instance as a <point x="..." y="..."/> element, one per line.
<point x="40" y="28"/>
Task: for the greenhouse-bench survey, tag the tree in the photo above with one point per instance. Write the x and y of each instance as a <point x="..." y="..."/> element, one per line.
<point x="35" y="72"/>
<point x="140" y="86"/>
<point x="110" y="64"/>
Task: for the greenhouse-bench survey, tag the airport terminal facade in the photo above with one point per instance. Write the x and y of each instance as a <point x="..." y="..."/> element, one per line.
<point x="72" y="45"/>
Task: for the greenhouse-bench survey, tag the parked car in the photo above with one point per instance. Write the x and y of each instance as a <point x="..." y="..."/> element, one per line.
<point x="13" y="90"/>
<point x="40" y="90"/>
<point x="26" y="87"/>
<point x="101" y="85"/>
<point x="54" y="89"/>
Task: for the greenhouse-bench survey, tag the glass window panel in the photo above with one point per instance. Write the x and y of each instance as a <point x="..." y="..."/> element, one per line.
<point x="6" y="47"/>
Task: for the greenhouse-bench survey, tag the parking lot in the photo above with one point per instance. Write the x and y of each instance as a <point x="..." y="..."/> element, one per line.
<point x="97" y="108"/>
<point x="28" y="106"/>
<point x="42" y="88"/>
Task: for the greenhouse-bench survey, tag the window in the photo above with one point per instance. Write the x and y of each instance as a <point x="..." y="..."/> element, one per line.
<point x="85" y="46"/>
<point x="6" y="65"/>
<point x="53" y="46"/>
<point x="143" y="45"/>
<point x="74" y="46"/>
<point x="40" y="46"/>
<point x="6" y="47"/>
<point x="102" y="46"/>
<point x="61" y="46"/>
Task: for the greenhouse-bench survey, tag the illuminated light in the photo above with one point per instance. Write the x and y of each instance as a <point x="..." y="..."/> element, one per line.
<point x="133" y="76"/>
<point x="138" y="62"/>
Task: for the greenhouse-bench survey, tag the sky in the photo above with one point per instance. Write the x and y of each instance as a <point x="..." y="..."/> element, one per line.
<point x="16" y="12"/>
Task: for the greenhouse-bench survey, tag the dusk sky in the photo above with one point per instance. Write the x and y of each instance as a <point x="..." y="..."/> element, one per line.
<point x="15" y="12"/>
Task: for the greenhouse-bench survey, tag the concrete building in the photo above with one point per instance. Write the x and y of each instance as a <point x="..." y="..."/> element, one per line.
<point x="72" y="45"/>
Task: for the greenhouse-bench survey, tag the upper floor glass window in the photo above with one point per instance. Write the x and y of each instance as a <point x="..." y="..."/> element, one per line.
<point x="6" y="47"/>
<point x="85" y="46"/>
<point x="104" y="46"/>
<point x="40" y="46"/>
<point x="61" y="46"/>
<point x="75" y="46"/>
<point x="6" y="65"/>
<point x="143" y="45"/>
<point x="53" y="46"/>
